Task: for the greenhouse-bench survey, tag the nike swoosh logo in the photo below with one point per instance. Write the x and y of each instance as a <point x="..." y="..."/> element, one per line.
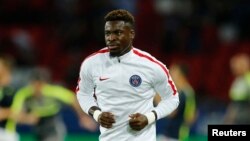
<point x="102" y="79"/>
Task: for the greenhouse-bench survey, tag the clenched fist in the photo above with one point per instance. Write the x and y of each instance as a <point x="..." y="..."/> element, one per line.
<point x="138" y="121"/>
<point x="106" y="119"/>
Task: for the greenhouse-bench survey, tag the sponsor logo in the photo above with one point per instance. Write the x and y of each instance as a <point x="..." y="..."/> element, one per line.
<point x="103" y="78"/>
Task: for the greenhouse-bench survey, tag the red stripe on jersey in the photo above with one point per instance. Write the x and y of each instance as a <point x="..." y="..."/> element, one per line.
<point x="161" y="65"/>
<point x="99" y="51"/>
<point x="77" y="87"/>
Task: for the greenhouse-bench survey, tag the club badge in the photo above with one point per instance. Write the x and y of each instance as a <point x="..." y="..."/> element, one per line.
<point x="135" y="80"/>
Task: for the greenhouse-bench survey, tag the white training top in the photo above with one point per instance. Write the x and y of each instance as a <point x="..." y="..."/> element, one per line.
<point x="126" y="85"/>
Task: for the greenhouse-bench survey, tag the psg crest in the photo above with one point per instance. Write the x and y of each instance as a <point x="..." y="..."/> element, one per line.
<point x="135" y="80"/>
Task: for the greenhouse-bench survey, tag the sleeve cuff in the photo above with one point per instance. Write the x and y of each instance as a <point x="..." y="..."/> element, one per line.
<point x="151" y="117"/>
<point x="96" y="115"/>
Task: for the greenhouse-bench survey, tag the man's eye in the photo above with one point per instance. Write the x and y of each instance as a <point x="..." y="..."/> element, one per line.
<point x="119" y="33"/>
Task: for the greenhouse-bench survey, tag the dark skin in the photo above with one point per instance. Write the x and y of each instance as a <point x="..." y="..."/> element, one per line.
<point x="119" y="36"/>
<point x="138" y="121"/>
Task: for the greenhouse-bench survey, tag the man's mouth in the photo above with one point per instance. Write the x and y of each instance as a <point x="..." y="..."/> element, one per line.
<point x="112" y="46"/>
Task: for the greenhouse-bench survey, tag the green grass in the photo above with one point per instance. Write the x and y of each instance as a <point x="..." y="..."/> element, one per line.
<point x="79" y="137"/>
<point x="70" y="137"/>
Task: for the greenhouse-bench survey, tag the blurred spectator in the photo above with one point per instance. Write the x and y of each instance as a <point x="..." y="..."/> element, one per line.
<point x="228" y="33"/>
<point x="178" y="124"/>
<point x="173" y="7"/>
<point x="23" y="46"/>
<point x="41" y="103"/>
<point x="6" y="95"/>
<point x="239" y="107"/>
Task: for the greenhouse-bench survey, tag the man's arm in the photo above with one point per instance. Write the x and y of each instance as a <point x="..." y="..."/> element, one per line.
<point x="169" y="97"/>
<point x="105" y="119"/>
<point x="85" y="120"/>
<point x="25" y="118"/>
<point x="157" y="100"/>
<point x="4" y="113"/>
<point x="68" y="97"/>
<point x="85" y="97"/>
<point x="165" y="103"/>
<point x="92" y="110"/>
<point x="85" y="88"/>
<point x="18" y="115"/>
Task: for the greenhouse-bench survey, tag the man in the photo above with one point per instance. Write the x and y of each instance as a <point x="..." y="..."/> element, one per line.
<point x="39" y="104"/>
<point x="177" y="125"/>
<point x="117" y="85"/>
<point x="239" y="106"/>
<point x="6" y="95"/>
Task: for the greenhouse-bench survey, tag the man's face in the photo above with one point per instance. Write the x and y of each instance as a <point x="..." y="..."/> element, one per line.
<point x="118" y="37"/>
<point x="239" y="65"/>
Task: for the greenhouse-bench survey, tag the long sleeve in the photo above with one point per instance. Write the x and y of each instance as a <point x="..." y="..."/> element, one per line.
<point x="85" y="88"/>
<point x="166" y="88"/>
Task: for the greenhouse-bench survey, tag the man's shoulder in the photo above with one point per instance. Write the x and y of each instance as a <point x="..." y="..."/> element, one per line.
<point x="144" y="55"/>
<point x="97" y="54"/>
<point x="139" y="50"/>
<point x="149" y="59"/>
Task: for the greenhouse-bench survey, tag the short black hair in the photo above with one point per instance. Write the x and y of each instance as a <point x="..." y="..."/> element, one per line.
<point x="120" y="15"/>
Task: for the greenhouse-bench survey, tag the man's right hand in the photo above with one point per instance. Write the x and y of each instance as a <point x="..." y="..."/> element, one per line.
<point x="106" y="119"/>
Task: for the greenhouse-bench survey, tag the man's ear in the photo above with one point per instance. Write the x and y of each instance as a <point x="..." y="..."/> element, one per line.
<point x="132" y="34"/>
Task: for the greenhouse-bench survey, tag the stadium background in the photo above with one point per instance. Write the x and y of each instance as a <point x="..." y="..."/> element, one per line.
<point x="59" y="34"/>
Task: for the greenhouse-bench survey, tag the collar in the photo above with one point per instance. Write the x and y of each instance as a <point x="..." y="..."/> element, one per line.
<point x="123" y="57"/>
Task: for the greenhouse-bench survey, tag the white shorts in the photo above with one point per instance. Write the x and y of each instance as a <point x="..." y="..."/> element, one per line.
<point x="8" y="136"/>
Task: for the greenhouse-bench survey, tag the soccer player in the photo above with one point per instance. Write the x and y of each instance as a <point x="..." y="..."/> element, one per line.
<point x="239" y="106"/>
<point x="117" y="85"/>
<point x="38" y="104"/>
<point x="6" y="95"/>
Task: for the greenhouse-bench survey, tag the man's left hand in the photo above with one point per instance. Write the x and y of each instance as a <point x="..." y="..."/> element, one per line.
<point x="138" y="121"/>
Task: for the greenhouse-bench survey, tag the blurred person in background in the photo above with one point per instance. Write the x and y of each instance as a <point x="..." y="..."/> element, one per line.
<point x="239" y="106"/>
<point x="6" y="95"/>
<point x="177" y="125"/>
<point x="38" y="104"/>
<point x="117" y="85"/>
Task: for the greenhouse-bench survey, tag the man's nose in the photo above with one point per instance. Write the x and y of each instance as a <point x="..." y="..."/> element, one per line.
<point x="112" y="37"/>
